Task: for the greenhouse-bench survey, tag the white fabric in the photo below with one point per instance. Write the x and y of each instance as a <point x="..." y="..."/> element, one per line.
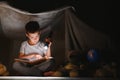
<point x="38" y="48"/>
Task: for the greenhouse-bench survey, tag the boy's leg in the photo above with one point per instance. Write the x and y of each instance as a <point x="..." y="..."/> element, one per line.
<point x="46" y="66"/>
<point x="25" y="70"/>
<point x="21" y="68"/>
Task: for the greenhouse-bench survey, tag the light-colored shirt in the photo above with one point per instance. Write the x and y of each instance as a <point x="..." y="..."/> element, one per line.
<point x="39" y="48"/>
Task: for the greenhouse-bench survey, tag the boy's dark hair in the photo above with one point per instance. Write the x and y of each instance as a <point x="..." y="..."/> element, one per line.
<point x="32" y="27"/>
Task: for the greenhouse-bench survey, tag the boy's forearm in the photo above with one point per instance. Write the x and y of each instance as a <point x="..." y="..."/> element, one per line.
<point x="48" y="54"/>
<point x="25" y="56"/>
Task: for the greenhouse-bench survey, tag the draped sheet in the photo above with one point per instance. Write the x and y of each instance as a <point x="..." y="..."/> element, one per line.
<point x="69" y="32"/>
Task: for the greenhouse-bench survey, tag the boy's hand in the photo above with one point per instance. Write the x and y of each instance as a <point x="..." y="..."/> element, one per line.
<point x="46" y="57"/>
<point x="50" y="44"/>
<point x="48" y="41"/>
<point x="38" y="56"/>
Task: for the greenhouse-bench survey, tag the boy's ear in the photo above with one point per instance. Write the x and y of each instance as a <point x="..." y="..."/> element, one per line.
<point x="39" y="32"/>
<point x="26" y="34"/>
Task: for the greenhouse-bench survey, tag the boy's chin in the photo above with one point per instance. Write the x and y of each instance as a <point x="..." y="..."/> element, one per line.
<point x="33" y="43"/>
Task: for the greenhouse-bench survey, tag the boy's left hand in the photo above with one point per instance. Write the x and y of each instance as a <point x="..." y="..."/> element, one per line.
<point x="50" y="44"/>
<point x="46" y="57"/>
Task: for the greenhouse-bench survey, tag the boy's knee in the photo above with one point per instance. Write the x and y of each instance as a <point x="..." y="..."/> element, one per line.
<point x="52" y="61"/>
<point x="15" y="65"/>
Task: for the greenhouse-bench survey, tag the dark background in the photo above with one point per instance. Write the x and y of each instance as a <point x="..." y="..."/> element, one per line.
<point x="97" y="14"/>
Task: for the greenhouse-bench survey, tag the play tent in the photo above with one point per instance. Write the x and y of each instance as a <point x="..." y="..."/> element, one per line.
<point x="68" y="31"/>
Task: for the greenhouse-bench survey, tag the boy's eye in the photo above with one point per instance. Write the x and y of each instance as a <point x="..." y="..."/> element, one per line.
<point x="31" y="37"/>
<point x="34" y="37"/>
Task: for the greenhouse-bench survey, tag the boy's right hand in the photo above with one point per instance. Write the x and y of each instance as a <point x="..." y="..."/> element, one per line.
<point x="32" y="55"/>
<point x="38" y="56"/>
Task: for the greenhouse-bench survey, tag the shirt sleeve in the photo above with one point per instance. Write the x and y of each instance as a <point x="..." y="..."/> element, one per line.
<point x="22" y="48"/>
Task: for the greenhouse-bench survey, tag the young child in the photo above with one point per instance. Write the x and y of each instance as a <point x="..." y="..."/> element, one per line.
<point x="29" y="48"/>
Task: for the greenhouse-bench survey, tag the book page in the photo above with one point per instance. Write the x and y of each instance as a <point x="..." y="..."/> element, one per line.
<point x="32" y="60"/>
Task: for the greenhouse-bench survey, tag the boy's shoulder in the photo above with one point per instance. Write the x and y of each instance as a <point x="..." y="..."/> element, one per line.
<point x="24" y="43"/>
<point x="41" y="43"/>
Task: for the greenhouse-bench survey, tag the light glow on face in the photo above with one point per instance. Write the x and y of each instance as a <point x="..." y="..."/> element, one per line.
<point x="33" y="37"/>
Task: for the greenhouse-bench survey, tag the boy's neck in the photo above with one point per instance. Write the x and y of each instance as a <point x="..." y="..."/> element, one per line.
<point x="30" y="43"/>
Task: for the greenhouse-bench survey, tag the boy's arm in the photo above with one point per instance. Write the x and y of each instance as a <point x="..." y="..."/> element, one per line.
<point x="48" y="53"/>
<point x="22" y="55"/>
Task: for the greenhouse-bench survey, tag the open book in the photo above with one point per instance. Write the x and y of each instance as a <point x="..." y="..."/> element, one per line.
<point x="32" y="60"/>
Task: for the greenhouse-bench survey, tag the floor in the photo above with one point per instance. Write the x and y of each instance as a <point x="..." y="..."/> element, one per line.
<point x="49" y="78"/>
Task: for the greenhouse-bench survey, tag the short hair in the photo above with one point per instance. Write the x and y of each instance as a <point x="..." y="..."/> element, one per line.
<point x="32" y="27"/>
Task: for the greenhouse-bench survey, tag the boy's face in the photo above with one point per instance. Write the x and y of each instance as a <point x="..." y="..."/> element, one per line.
<point x="33" y="37"/>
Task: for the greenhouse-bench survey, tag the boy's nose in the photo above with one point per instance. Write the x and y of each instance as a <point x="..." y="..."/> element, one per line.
<point x="35" y="38"/>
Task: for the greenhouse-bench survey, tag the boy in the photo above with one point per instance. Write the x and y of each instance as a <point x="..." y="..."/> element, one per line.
<point x="29" y="49"/>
